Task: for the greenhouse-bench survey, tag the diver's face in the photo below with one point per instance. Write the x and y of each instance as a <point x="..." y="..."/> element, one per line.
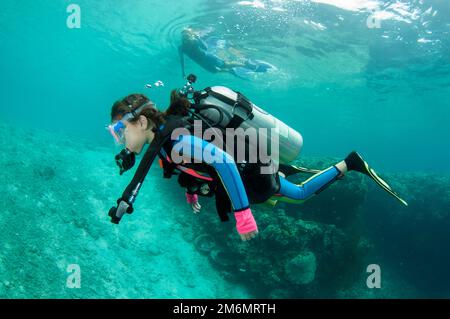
<point x="136" y="134"/>
<point x="189" y="34"/>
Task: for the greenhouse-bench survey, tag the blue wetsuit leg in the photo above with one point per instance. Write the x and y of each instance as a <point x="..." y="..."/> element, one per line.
<point x="312" y="186"/>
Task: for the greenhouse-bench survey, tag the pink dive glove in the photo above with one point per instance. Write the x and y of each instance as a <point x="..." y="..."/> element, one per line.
<point x="245" y="223"/>
<point x="191" y="198"/>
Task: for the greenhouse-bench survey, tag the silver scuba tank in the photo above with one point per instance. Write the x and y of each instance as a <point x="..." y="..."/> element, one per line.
<point x="226" y="108"/>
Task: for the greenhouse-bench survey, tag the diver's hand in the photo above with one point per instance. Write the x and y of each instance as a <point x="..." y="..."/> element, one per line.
<point x="246" y="224"/>
<point x="248" y="236"/>
<point x="196" y="207"/>
<point x="193" y="200"/>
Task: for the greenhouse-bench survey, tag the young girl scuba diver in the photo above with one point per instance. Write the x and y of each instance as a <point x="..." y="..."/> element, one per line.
<point x="136" y="122"/>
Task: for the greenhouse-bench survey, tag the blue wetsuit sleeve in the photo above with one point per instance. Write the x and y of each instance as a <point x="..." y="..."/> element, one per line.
<point x="194" y="148"/>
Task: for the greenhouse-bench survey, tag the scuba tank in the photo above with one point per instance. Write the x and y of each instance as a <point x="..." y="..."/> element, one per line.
<point x="225" y="108"/>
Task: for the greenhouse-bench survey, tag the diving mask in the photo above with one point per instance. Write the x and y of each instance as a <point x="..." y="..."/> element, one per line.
<point x="117" y="129"/>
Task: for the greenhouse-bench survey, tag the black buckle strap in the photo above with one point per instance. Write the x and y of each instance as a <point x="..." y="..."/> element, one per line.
<point x="243" y="103"/>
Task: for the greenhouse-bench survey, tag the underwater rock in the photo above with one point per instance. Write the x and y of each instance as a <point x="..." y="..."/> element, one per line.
<point x="154" y="250"/>
<point x="283" y="235"/>
<point x="276" y="235"/>
<point x="279" y="294"/>
<point x="310" y="232"/>
<point x="222" y="259"/>
<point x="301" y="270"/>
<point x="45" y="172"/>
<point x="204" y="243"/>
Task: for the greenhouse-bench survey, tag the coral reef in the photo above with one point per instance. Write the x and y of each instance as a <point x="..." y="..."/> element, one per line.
<point x="301" y="270"/>
<point x="322" y="237"/>
<point x="332" y="227"/>
<point x="57" y="193"/>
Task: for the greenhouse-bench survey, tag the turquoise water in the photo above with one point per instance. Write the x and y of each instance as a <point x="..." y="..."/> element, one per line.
<point x="341" y="82"/>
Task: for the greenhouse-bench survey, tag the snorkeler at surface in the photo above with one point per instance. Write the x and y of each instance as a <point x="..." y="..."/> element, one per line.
<point x="235" y="185"/>
<point x="218" y="55"/>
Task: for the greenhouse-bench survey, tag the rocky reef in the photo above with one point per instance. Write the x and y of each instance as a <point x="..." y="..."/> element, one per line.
<point x="322" y="247"/>
<point x="304" y="250"/>
<point x="57" y="192"/>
